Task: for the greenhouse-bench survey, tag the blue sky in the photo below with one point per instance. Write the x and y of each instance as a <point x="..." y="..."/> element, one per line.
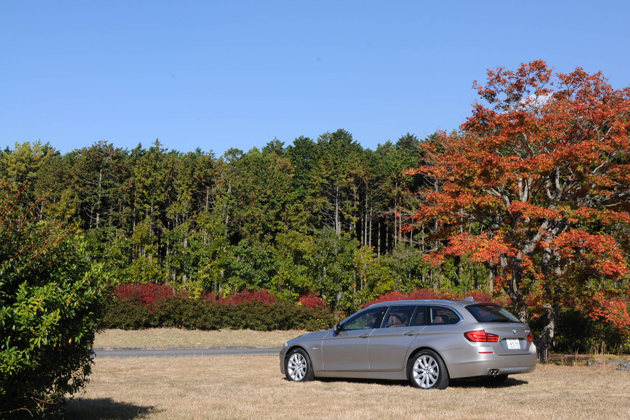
<point x="222" y="74"/>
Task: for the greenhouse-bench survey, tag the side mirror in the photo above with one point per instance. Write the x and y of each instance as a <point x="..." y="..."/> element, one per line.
<point x="337" y="328"/>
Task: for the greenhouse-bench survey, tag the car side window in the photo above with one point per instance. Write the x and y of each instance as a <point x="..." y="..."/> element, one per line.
<point x="399" y="316"/>
<point x="441" y="315"/>
<point x="419" y="317"/>
<point x="364" y="320"/>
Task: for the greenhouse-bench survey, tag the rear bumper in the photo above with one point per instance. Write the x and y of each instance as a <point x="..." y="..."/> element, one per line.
<point x="482" y="364"/>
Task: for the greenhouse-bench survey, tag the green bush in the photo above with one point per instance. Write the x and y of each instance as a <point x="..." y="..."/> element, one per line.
<point x="182" y="312"/>
<point x="179" y="311"/>
<point x="127" y="315"/>
<point x="277" y="316"/>
<point x="50" y="303"/>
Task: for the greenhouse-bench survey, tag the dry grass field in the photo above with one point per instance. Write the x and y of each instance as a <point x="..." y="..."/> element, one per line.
<point x="251" y="387"/>
<point x="164" y="338"/>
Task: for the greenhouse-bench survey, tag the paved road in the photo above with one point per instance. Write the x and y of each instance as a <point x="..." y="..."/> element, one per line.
<point x="183" y="352"/>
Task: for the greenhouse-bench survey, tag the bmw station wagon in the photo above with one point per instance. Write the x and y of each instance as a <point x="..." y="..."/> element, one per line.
<point x="427" y="342"/>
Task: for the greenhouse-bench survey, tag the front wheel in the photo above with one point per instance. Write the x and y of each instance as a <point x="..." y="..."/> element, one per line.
<point x="298" y="366"/>
<point x="427" y="371"/>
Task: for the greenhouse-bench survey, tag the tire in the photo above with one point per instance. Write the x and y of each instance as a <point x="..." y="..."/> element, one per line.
<point x="426" y="370"/>
<point x="298" y="367"/>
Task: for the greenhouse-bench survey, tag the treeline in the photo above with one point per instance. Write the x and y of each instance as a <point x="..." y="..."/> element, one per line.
<point x="324" y="216"/>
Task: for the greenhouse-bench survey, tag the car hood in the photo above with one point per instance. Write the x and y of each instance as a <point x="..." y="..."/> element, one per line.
<point x="318" y="335"/>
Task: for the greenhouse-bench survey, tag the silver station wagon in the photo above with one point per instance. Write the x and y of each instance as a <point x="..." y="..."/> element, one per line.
<point x="427" y="342"/>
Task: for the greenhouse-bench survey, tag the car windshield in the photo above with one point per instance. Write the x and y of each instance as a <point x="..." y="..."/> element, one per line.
<point x="491" y="313"/>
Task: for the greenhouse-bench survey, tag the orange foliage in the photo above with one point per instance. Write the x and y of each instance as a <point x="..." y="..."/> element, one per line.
<point x="539" y="182"/>
<point x="614" y="311"/>
<point x="600" y="252"/>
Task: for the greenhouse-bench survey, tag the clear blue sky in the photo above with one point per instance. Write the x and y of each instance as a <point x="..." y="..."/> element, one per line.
<point x="221" y="74"/>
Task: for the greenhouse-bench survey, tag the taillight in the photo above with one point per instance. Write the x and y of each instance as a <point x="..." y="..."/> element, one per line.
<point x="530" y="337"/>
<point x="480" y="336"/>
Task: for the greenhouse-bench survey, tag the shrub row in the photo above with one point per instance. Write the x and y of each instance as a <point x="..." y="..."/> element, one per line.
<point x="256" y="311"/>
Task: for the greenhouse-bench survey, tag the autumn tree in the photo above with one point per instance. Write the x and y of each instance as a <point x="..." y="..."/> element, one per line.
<point x="537" y="186"/>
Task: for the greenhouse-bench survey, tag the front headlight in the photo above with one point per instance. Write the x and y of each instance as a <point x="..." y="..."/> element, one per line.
<point x="285" y="345"/>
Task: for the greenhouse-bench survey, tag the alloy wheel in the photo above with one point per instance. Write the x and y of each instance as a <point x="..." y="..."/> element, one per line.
<point x="297" y="367"/>
<point x="426" y="371"/>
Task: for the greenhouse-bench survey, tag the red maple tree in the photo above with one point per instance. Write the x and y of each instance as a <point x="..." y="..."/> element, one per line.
<point x="536" y="185"/>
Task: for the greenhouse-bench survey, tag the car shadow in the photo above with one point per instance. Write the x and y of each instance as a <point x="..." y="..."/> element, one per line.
<point x="486" y="383"/>
<point x="454" y="383"/>
<point x="363" y="381"/>
<point x="105" y="409"/>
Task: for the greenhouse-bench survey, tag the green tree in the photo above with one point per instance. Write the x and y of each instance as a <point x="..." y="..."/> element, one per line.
<point x="292" y="277"/>
<point x="263" y="191"/>
<point x="331" y="264"/>
<point x="335" y="180"/>
<point x="96" y="171"/>
<point x="303" y="154"/>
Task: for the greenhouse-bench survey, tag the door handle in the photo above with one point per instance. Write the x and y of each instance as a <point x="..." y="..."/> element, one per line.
<point x="409" y="333"/>
<point x="364" y="336"/>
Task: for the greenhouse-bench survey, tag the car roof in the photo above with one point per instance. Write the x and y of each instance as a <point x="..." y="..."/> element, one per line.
<point x="429" y="302"/>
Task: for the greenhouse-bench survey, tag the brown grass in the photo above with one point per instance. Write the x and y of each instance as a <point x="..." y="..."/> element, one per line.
<point x="251" y="387"/>
<point x="162" y="338"/>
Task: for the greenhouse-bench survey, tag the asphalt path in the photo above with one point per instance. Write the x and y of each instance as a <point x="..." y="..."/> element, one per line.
<point x="184" y="352"/>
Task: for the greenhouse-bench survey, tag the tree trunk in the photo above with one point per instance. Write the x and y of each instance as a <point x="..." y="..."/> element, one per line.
<point x="395" y="224"/>
<point x="100" y="184"/>
<point x="337" y="227"/>
<point x="378" y="237"/>
<point x="365" y="224"/>
<point x="370" y="228"/>
<point x="545" y="339"/>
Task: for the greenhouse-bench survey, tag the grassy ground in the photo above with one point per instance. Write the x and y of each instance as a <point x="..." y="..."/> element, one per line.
<point x="251" y="387"/>
<point x="162" y="338"/>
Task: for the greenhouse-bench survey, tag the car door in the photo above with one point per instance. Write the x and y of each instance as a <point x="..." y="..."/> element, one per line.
<point x="388" y="345"/>
<point x="348" y="349"/>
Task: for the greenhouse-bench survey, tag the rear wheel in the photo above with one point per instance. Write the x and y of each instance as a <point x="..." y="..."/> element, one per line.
<point x="298" y="366"/>
<point x="426" y="370"/>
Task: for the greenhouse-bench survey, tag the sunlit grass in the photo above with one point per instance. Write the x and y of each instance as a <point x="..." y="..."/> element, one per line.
<point x="251" y="387"/>
<point x="162" y="338"/>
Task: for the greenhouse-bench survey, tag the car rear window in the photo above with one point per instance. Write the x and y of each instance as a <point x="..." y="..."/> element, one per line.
<point x="491" y="313"/>
<point x="442" y="315"/>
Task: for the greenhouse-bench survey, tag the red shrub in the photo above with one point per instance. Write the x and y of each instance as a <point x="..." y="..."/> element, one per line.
<point x="262" y="296"/>
<point x="210" y="296"/>
<point x="146" y="293"/>
<point x="430" y="294"/>
<point x="487" y="297"/>
<point x="312" y="301"/>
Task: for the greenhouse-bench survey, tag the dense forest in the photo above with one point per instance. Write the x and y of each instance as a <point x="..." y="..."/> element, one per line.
<point x="324" y="216"/>
<point x="528" y="200"/>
